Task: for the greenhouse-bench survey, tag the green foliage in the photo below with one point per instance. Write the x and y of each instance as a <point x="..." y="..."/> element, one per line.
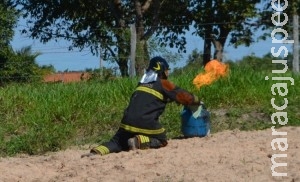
<point x="20" y="66"/>
<point x="102" y="75"/>
<point x="223" y="17"/>
<point x="16" y="66"/>
<point x="103" y="22"/>
<point x="47" y="117"/>
<point x="105" y="25"/>
<point x="292" y="8"/>
<point x="194" y="61"/>
<point x="37" y="118"/>
<point x="155" y="49"/>
<point x="8" y="20"/>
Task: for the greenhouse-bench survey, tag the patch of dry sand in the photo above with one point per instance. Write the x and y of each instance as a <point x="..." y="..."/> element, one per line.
<point x="225" y="156"/>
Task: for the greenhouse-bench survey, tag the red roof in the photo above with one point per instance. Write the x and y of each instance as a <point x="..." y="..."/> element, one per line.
<point x="67" y="77"/>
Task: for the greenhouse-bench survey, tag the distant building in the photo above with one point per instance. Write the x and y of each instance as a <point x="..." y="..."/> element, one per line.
<point x="66" y="77"/>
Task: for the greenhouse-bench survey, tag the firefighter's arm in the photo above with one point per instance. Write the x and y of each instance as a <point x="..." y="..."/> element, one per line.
<point x="179" y="95"/>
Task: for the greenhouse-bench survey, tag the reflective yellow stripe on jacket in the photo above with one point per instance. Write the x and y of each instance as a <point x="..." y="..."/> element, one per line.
<point x="150" y="91"/>
<point x="140" y="130"/>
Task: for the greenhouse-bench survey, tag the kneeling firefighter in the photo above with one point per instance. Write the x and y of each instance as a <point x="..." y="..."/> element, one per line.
<point x="140" y="127"/>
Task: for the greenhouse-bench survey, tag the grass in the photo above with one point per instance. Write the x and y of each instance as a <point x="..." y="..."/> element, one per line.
<point x="37" y="118"/>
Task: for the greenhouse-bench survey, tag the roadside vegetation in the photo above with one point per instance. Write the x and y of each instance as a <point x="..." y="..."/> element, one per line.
<point x="37" y="118"/>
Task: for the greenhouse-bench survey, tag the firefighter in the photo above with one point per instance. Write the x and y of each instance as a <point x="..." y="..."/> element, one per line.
<point x="140" y="127"/>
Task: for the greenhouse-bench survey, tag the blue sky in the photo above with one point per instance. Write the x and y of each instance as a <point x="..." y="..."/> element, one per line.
<point x="58" y="55"/>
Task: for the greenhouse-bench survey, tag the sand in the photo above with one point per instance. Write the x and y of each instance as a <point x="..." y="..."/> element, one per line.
<point x="224" y="156"/>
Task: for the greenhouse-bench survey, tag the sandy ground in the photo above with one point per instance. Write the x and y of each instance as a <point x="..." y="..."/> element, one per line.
<point x="225" y="156"/>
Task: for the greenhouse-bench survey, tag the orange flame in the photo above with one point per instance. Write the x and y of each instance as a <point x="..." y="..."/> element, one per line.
<point x="213" y="71"/>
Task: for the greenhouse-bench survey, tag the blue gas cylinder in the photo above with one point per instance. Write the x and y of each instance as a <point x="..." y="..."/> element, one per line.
<point x="195" y="124"/>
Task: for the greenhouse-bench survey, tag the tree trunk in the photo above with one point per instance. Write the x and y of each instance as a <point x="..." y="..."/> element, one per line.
<point x="123" y="53"/>
<point x="207" y="32"/>
<point x="219" y="48"/>
<point x="219" y="43"/>
<point x="207" y="51"/>
<point x="123" y="67"/>
<point x="207" y="45"/>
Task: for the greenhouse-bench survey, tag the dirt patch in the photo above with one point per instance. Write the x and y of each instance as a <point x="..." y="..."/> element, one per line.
<point x="224" y="156"/>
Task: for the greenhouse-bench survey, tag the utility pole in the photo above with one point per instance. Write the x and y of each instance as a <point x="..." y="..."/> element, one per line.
<point x="295" y="38"/>
<point x="132" y="50"/>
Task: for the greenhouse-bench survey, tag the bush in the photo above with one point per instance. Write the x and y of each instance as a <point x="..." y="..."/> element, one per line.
<point x="20" y="67"/>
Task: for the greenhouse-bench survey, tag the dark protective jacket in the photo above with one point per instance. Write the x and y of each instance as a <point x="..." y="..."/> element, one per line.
<point x="148" y="102"/>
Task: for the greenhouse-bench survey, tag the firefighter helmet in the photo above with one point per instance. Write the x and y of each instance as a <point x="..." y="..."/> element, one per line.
<point x="158" y="64"/>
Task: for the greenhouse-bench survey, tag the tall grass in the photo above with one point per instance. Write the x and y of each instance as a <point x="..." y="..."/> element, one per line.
<point x="37" y="118"/>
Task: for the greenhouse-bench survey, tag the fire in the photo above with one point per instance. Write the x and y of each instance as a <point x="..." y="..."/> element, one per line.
<point x="213" y="71"/>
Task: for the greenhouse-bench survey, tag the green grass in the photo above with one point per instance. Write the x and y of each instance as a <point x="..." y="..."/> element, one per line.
<point x="37" y="118"/>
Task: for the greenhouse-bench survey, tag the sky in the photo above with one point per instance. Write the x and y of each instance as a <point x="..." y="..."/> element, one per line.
<point x="58" y="55"/>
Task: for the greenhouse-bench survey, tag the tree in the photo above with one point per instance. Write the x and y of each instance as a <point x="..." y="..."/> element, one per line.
<point x="8" y="20"/>
<point x="102" y="24"/>
<point x="216" y="20"/>
<point x="289" y="12"/>
<point x="105" y="24"/>
<point x="290" y="7"/>
<point x="21" y="67"/>
<point x="195" y="57"/>
<point x="165" y="20"/>
<point x="16" y="66"/>
<point x="93" y="24"/>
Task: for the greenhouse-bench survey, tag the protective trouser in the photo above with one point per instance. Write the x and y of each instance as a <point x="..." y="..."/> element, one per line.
<point x="119" y="143"/>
